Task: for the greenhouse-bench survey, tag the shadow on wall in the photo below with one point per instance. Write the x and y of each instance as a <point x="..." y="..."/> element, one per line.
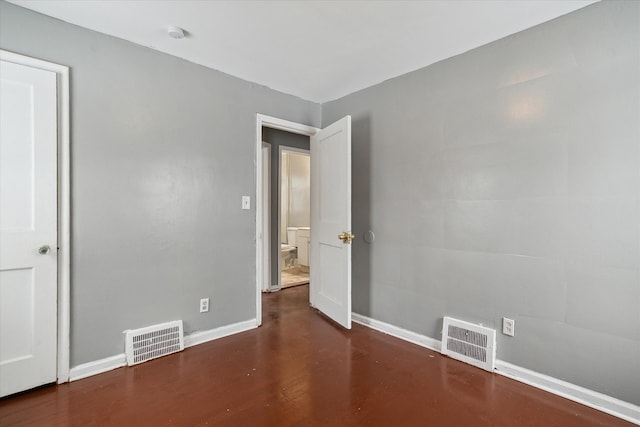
<point x="361" y="214"/>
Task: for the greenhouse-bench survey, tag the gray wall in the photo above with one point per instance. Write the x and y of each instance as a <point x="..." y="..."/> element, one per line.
<point x="505" y="182"/>
<point x="162" y="151"/>
<point x="278" y="138"/>
<point x="501" y="182"/>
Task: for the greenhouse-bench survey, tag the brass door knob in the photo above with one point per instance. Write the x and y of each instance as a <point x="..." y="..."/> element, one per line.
<point x="346" y="237"/>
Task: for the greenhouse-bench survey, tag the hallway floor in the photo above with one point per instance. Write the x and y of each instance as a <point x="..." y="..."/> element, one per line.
<point x="294" y="277"/>
<point x="298" y="369"/>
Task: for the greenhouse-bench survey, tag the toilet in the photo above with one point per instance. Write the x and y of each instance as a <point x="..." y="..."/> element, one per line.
<point x="289" y="251"/>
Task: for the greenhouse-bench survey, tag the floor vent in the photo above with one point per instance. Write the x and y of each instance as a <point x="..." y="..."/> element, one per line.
<point x="153" y="341"/>
<point x="469" y="343"/>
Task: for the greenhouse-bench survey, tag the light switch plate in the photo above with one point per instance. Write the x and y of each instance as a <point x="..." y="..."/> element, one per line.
<point x="246" y="202"/>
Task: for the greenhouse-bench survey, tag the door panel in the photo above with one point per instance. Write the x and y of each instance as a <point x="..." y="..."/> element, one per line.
<point x="28" y="222"/>
<point x="330" y="285"/>
<point x="16" y="313"/>
<point x="16" y="200"/>
<point x="331" y="216"/>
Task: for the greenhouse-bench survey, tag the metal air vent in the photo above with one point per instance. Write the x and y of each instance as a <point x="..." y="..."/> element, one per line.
<point x="153" y="341"/>
<point x="469" y="343"/>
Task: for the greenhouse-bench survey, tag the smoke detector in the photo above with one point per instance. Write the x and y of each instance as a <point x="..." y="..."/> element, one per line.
<point x="175" y="32"/>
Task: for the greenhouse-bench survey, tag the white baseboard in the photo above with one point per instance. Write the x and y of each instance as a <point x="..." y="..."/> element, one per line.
<point x="585" y="396"/>
<point x="97" y="367"/>
<point x="395" y="331"/>
<point x="200" y="337"/>
<point x="119" y="360"/>
<point x="593" y="399"/>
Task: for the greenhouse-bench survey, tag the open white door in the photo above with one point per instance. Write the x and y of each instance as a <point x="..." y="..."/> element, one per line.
<point x="331" y="221"/>
<point x="28" y="227"/>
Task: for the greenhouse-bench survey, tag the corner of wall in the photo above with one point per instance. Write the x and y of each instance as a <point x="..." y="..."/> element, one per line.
<point x="601" y="402"/>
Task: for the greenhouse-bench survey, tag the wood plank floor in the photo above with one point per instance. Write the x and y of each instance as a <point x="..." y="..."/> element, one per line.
<point x="298" y="369"/>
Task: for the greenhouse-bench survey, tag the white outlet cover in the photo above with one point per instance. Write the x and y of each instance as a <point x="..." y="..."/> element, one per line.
<point x="508" y="326"/>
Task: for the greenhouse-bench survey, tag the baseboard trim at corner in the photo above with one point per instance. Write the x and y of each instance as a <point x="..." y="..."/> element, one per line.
<point x="593" y="399"/>
<point x="201" y="337"/>
<point x="97" y="367"/>
<point x="395" y="331"/>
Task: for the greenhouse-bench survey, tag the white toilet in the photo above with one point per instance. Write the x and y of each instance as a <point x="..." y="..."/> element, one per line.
<point x="288" y="255"/>
<point x="289" y="251"/>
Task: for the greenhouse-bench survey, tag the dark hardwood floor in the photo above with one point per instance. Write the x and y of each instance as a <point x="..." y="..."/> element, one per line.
<point x="298" y="369"/>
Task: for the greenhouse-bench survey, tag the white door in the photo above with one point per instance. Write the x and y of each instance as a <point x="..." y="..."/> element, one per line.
<point x="331" y="221"/>
<point x="28" y="227"/>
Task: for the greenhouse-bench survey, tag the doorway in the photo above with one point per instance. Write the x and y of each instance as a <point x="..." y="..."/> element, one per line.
<point x="331" y="235"/>
<point x="295" y="217"/>
<point x="266" y="250"/>
<point x="286" y="206"/>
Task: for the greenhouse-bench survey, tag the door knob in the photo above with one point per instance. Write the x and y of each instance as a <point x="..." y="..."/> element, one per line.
<point x="346" y="237"/>
<point x="43" y="250"/>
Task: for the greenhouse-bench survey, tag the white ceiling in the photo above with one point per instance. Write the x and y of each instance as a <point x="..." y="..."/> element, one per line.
<point x="317" y="50"/>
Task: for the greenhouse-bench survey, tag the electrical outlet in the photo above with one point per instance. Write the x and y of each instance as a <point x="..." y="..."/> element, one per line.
<point x="508" y="326"/>
<point x="204" y="305"/>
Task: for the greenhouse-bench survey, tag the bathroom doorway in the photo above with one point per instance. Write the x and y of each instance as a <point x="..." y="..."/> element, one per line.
<point x="295" y="216"/>
<point x="285" y="202"/>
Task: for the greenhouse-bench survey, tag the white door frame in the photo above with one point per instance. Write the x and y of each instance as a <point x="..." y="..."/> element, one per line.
<point x="266" y="216"/>
<point x="281" y="150"/>
<point x="288" y="126"/>
<point x="64" y="206"/>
